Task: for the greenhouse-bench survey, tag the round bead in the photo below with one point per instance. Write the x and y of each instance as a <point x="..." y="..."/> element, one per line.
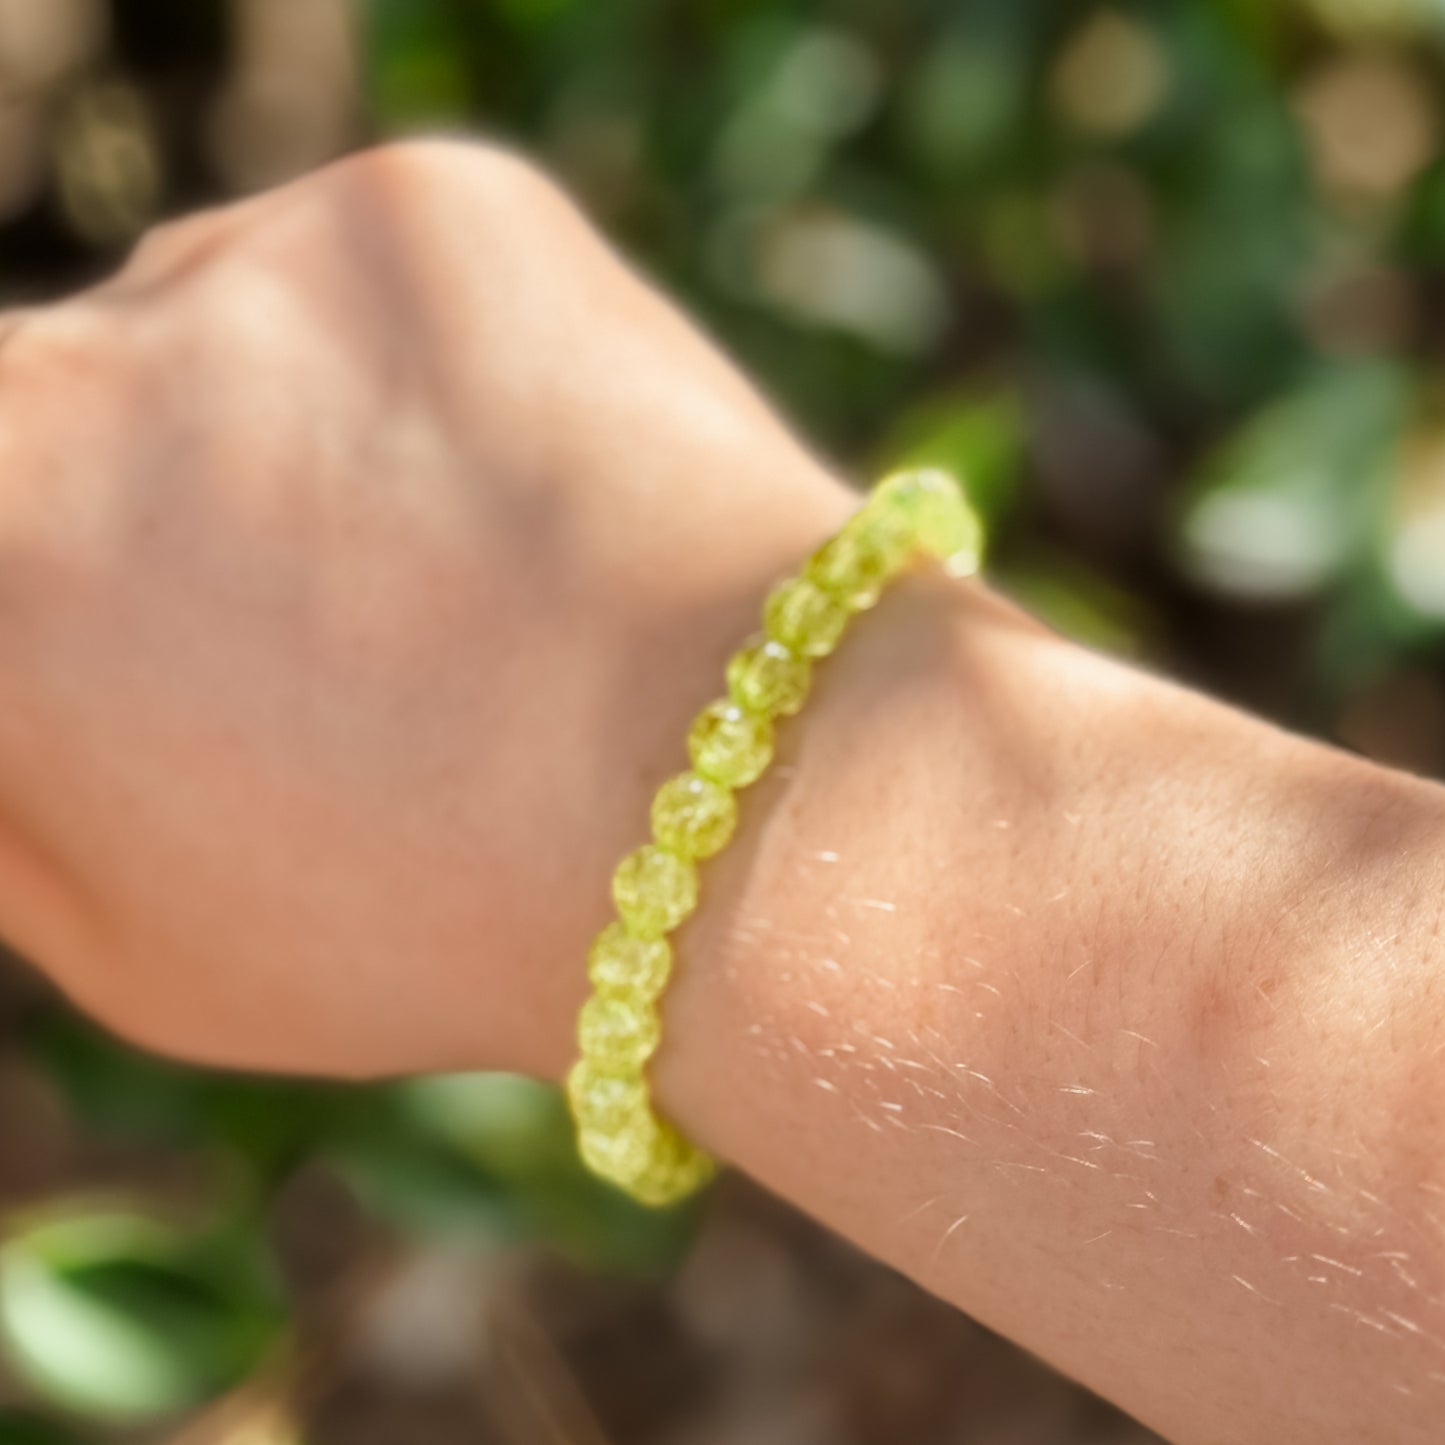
<point x="654" y="890"/>
<point x="621" y="1155"/>
<point x="693" y="816"/>
<point x="804" y="618"/>
<point x="938" y="514"/>
<point x="851" y="568"/>
<point x="674" y="1169"/>
<point x="620" y="963"/>
<point x="730" y="745"/>
<point x="768" y="679"/>
<point x="601" y="1101"/>
<point x="645" y="1156"/>
<point x="885" y="529"/>
<point x="618" y="1032"/>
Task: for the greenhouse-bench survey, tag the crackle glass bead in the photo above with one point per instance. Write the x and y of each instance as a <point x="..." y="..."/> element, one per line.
<point x="693" y="816"/>
<point x="618" y="1032"/>
<point x="674" y="1169"/>
<point x="729" y="744"/>
<point x="622" y="1154"/>
<point x="769" y="679"/>
<point x="804" y="618"/>
<point x="602" y="1100"/>
<point x="885" y="529"/>
<point x="855" y="564"/>
<point x="621" y="963"/>
<point x="654" y="890"/>
<point x="938" y="513"/>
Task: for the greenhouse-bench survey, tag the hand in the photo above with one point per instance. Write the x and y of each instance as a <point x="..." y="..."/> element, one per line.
<point x="367" y="547"/>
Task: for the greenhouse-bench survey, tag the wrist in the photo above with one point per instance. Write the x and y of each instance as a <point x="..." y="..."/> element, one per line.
<point x="851" y="881"/>
<point x="909" y="518"/>
<point x="1037" y="977"/>
<point x="691" y="594"/>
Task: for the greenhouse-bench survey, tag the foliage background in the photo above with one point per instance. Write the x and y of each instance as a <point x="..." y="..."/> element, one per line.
<point x="1163" y="279"/>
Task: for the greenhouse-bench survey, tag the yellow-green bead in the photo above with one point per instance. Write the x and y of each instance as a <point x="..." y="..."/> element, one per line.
<point x="769" y="679"/>
<point x="603" y="1101"/>
<point x="887" y="530"/>
<point x="938" y="513"/>
<point x="729" y="744"/>
<point x="618" y="1032"/>
<point x="654" y="890"/>
<point x="621" y="1155"/>
<point x="618" y="962"/>
<point x="674" y="1170"/>
<point x="804" y="618"/>
<point x="853" y="567"/>
<point x="693" y="816"/>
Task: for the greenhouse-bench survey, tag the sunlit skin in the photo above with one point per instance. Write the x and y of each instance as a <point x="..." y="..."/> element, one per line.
<point x="365" y="551"/>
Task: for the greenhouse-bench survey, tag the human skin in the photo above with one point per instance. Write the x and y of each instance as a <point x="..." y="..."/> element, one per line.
<point x="364" y="551"/>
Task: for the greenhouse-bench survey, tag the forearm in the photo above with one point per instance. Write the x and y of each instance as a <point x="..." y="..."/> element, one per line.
<point x="1111" y="1015"/>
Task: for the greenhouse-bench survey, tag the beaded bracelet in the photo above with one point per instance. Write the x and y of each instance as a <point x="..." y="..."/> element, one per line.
<point x="655" y="888"/>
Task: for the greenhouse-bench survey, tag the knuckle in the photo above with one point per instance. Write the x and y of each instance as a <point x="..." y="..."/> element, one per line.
<point x="434" y="183"/>
<point x="435" y="177"/>
<point x="453" y="161"/>
<point x="431" y="178"/>
<point x="175" y="246"/>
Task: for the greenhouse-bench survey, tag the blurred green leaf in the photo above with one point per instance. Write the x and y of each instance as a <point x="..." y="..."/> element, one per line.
<point x="418" y="71"/>
<point x="820" y="86"/>
<point x="491" y="1157"/>
<point x="1236" y="215"/>
<point x="118" y="1092"/>
<point x="1296" y="497"/>
<point x="515" y="1127"/>
<point x="1391" y="611"/>
<point x="521" y="1131"/>
<point x="413" y="1176"/>
<point x="1422" y="229"/>
<point x="962" y="101"/>
<point x="1077" y="602"/>
<point x="1258" y="23"/>
<point x="123" y="1317"/>
<point x="1368" y="629"/>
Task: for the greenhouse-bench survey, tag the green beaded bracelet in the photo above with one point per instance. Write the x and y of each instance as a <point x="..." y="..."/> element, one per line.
<point x="655" y="888"/>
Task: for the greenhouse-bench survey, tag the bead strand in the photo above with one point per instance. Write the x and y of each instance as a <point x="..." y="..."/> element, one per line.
<point x="694" y="815"/>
